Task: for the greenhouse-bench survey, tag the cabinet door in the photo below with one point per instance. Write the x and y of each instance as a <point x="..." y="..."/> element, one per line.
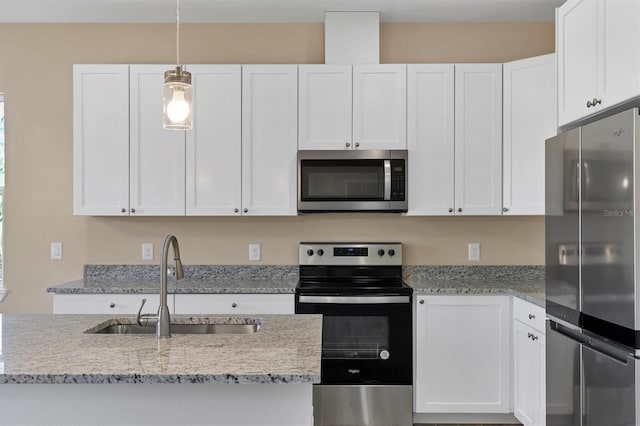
<point x="380" y="106"/>
<point x="213" y="149"/>
<point x="228" y="304"/>
<point x="157" y="169"/>
<point x="324" y="99"/>
<point x="619" y="61"/>
<point x="124" y="304"/>
<point x="576" y="41"/>
<point x="463" y="356"/>
<point x="529" y="119"/>
<point x="101" y="140"/>
<point x="269" y="139"/>
<point x="430" y="139"/>
<point x="478" y="139"/>
<point x="529" y="373"/>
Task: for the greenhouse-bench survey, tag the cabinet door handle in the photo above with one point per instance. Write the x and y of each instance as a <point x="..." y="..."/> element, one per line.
<point x="422" y="301"/>
<point x="347" y="144"/>
<point x="459" y="209"/>
<point x="234" y="304"/>
<point x="505" y="209"/>
<point x="450" y="210"/>
<point x="236" y="210"/>
<point x="133" y="210"/>
<point x="112" y="305"/>
<point x="123" y="210"/>
<point x="531" y="316"/>
<point x="593" y="102"/>
<point x="357" y="144"/>
<point x="245" y="210"/>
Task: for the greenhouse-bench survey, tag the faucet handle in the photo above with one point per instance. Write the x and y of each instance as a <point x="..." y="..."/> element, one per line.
<point x="145" y="320"/>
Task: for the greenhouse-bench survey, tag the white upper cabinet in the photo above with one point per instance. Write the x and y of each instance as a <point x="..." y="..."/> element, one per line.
<point x="213" y="150"/>
<point x="597" y="42"/>
<point x="269" y="139"/>
<point x="380" y="106"/>
<point x="454" y="122"/>
<point x="101" y="140"/>
<point x="529" y="119"/>
<point x="478" y="139"/>
<point x="325" y="106"/>
<point x="430" y="138"/>
<point x="157" y="162"/>
<point x="353" y="107"/>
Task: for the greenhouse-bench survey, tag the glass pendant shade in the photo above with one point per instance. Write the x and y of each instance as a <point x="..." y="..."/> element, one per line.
<point x="177" y="100"/>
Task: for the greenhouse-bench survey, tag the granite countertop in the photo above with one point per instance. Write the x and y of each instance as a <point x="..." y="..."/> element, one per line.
<point x="529" y="290"/>
<point x="56" y="349"/>
<point x="199" y="279"/>
<point x="184" y="286"/>
<point x="525" y="282"/>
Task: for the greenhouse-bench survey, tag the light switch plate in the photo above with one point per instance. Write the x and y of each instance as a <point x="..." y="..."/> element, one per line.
<point x="474" y="251"/>
<point x="147" y="251"/>
<point x="55" y="251"/>
<point x="254" y="252"/>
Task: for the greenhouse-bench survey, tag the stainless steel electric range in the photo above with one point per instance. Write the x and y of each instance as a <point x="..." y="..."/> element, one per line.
<point x="367" y="368"/>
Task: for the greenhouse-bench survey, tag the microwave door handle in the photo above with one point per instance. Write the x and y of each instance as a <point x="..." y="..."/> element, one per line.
<point x="387" y="180"/>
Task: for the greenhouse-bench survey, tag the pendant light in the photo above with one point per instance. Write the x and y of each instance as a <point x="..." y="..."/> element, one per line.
<point x="177" y="96"/>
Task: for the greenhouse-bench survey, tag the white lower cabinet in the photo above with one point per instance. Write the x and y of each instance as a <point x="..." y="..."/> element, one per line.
<point x="463" y="354"/>
<point x="107" y="303"/>
<point x="241" y="304"/>
<point x="529" y="363"/>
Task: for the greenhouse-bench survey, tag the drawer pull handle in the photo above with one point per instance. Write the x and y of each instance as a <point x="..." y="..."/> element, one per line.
<point x="234" y="304"/>
<point x="112" y="305"/>
<point x="531" y="316"/>
<point x="422" y="301"/>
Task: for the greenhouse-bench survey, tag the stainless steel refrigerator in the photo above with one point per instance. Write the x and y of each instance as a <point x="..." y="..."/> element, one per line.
<point x="592" y="277"/>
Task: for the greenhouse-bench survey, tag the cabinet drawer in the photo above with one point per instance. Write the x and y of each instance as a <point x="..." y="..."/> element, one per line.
<point x="107" y="303"/>
<point x="234" y="304"/>
<point x="529" y="314"/>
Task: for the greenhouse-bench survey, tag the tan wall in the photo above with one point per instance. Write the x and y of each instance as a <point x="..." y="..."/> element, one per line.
<point x="36" y="77"/>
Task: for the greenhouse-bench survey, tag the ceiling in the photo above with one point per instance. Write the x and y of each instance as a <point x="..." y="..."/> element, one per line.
<point x="202" y="11"/>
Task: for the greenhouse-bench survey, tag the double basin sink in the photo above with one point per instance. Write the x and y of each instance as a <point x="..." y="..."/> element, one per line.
<point x="207" y="326"/>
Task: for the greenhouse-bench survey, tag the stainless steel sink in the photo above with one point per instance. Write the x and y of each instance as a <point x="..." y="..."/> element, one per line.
<point x="179" y="328"/>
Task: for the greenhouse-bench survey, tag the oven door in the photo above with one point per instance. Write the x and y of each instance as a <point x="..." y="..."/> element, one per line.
<point x="366" y="339"/>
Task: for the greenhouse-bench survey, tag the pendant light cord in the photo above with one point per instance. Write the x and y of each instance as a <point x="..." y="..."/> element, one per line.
<point x="178" y="33"/>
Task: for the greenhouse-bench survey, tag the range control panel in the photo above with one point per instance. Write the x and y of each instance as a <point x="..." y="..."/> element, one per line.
<point x="370" y="254"/>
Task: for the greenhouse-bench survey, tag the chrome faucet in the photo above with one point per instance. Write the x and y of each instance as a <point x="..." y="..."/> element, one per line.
<point x="162" y="320"/>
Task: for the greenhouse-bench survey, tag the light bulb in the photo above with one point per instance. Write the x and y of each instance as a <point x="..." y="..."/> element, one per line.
<point x="178" y="107"/>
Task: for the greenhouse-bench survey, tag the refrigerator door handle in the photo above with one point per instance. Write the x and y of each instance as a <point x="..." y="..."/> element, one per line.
<point x="615" y="353"/>
<point x="572" y="334"/>
<point x="595" y="344"/>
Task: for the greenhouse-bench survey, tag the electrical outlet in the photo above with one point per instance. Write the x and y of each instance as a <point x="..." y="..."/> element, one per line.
<point x="55" y="251"/>
<point x="254" y="252"/>
<point x="147" y="251"/>
<point x="474" y="251"/>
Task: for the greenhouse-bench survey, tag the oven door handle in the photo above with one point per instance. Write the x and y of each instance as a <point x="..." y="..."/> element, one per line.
<point x="355" y="300"/>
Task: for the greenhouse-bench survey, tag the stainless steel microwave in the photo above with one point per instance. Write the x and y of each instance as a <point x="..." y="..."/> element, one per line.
<point x="347" y="181"/>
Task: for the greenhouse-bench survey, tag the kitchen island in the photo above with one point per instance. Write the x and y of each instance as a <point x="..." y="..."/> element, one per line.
<point x="52" y="372"/>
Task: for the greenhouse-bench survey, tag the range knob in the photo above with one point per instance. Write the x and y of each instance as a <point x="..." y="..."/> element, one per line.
<point x="392" y="252"/>
<point x="310" y="252"/>
<point x="380" y="252"/>
<point x="320" y="252"/>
